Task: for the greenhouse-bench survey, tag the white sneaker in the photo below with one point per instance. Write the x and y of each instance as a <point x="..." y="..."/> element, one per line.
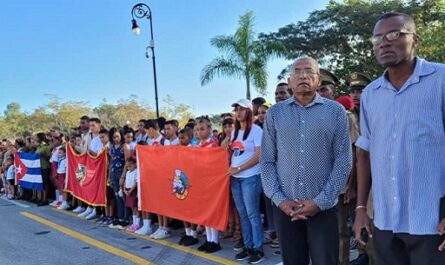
<point x="53" y="203"/>
<point x="79" y="210"/>
<point x="92" y="215"/>
<point x="63" y="206"/>
<point x="153" y="235"/>
<point x="87" y="212"/>
<point x="163" y="234"/>
<point x="144" y="230"/>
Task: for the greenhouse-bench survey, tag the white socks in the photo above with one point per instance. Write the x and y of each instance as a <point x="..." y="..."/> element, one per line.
<point x="194" y="233"/>
<point x="188" y="231"/>
<point x="215" y="235"/>
<point x="58" y="196"/>
<point x="147" y="222"/>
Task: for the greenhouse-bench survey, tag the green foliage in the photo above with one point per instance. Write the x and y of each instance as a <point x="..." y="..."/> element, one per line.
<point x="66" y="115"/>
<point x="338" y="36"/>
<point x="243" y="57"/>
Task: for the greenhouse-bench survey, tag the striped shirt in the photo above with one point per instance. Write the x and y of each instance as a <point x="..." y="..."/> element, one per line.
<point x="305" y="151"/>
<point x="404" y="132"/>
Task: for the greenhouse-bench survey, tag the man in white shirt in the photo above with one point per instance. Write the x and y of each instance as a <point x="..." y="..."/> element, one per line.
<point x="171" y="132"/>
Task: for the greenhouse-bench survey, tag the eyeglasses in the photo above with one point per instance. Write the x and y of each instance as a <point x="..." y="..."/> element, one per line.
<point x="308" y="72"/>
<point x="390" y="36"/>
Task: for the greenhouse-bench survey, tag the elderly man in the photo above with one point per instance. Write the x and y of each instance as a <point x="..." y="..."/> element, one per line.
<point x="402" y="142"/>
<point x="305" y="163"/>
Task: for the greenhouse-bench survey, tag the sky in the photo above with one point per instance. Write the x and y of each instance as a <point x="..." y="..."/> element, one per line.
<point x="85" y="50"/>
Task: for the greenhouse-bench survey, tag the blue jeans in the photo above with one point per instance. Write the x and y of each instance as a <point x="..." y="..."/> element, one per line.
<point x="247" y="194"/>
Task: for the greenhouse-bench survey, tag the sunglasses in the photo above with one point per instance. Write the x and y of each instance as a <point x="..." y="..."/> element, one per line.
<point x="390" y="36"/>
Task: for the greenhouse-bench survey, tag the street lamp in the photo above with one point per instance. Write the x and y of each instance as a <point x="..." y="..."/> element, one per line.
<point x="141" y="10"/>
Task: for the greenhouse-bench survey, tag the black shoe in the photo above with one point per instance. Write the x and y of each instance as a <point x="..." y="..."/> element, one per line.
<point x="243" y="255"/>
<point x="190" y="241"/>
<point x="213" y="247"/>
<point x="204" y="246"/>
<point x="239" y="246"/>
<point x="124" y="223"/>
<point x="256" y="257"/>
<point x="277" y="253"/>
<point x="44" y="203"/>
<point x="181" y="241"/>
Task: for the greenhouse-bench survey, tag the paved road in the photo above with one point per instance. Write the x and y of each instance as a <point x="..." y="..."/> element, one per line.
<point x="43" y="235"/>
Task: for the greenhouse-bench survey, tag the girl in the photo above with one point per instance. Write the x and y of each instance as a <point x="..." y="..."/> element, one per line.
<point x="262" y="114"/>
<point x="61" y="173"/>
<point x="10" y="176"/>
<point x="130" y="190"/>
<point x="246" y="182"/>
<point x="206" y="140"/>
<point x="119" y="153"/>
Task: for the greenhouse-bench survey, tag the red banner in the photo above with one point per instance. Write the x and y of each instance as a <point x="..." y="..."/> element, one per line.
<point x="185" y="183"/>
<point x="87" y="177"/>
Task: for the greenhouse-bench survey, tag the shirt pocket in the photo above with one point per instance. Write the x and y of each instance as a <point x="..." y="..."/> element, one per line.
<point x="425" y="127"/>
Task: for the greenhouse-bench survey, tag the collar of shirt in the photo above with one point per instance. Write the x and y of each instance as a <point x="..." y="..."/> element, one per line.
<point x="317" y="100"/>
<point x="421" y="69"/>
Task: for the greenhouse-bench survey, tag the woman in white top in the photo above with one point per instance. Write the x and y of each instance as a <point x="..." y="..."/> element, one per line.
<point x="246" y="185"/>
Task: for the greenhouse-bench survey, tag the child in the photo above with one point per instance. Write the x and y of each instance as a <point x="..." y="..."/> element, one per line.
<point x="61" y="173"/>
<point x="154" y="138"/>
<point x="191" y="235"/>
<point x="55" y="145"/>
<point x="130" y="191"/>
<point x="10" y="176"/>
<point x="206" y="140"/>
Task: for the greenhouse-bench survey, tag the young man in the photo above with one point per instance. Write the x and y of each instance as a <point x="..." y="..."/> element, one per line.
<point x="402" y="117"/>
<point x="328" y="83"/>
<point x="171" y="132"/>
<point x="282" y="92"/>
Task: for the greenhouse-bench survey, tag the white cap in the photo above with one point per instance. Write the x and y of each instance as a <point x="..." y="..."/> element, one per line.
<point x="245" y="103"/>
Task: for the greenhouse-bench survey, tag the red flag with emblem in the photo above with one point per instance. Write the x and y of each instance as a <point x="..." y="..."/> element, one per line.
<point x="186" y="183"/>
<point x="86" y="177"/>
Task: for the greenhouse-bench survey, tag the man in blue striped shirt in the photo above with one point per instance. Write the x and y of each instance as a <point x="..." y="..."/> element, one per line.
<point x="402" y="142"/>
<point x="305" y="162"/>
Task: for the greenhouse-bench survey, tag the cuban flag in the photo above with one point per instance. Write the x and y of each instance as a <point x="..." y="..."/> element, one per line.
<point x="28" y="173"/>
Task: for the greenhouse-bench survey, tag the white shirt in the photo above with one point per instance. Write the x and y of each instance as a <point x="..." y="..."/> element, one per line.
<point x="55" y="155"/>
<point x="172" y="142"/>
<point x="86" y="141"/>
<point x="61" y="166"/>
<point x="10" y="174"/>
<point x="131" y="178"/>
<point x="96" y="145"/>
<point x="244" y="150"/>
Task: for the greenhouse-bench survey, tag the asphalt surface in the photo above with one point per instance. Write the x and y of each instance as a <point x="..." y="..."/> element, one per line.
<point x="26" y="240"/>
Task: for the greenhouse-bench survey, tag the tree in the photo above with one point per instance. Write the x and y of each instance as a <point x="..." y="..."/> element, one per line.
<point x="243" y="57"/>
<point x="174" y="110"/>
<point x="338" y="36"/>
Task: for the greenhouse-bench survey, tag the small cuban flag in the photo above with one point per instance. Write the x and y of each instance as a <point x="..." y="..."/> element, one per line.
<point x="28" y="173"/>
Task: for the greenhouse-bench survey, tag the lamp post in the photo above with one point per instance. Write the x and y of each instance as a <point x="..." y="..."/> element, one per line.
<point x="142" y="10"/>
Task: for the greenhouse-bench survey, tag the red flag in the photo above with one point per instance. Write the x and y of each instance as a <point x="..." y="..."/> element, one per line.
<point x="186" y="183"/>
<point x="87" y="177"/>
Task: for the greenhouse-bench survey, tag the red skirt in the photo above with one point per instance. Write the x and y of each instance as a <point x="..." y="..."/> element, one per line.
<point x="131" y="200"/>
<point x="61" y="181"/>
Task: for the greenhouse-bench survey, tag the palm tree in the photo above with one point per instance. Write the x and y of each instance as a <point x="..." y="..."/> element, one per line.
<point x="243" y="57"/>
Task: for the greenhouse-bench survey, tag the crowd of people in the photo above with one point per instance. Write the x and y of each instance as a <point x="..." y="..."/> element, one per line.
<point x="300" y="169"/>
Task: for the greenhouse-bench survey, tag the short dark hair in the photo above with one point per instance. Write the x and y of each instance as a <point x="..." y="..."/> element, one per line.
<point x="282" y="84"/>
<point x="142" y="120"/>
<point x="103" y="131"/>
<point x="187" y="131"/>
<point x="85" y="118"/>
<point x="161" y="122"/>
<point x="227" y="121"/>
<point x="258" y="101"/>
<point x="131" y="159"/>
<point x="63" y="149"/>
<point x="96" y="120"/>
<point x="408" y="20"/>
<point x="151" y="123"/>
<point x="174" y="123"/>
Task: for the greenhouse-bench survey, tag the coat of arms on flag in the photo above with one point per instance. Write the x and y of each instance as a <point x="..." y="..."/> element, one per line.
<point x="28" y="172"/>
